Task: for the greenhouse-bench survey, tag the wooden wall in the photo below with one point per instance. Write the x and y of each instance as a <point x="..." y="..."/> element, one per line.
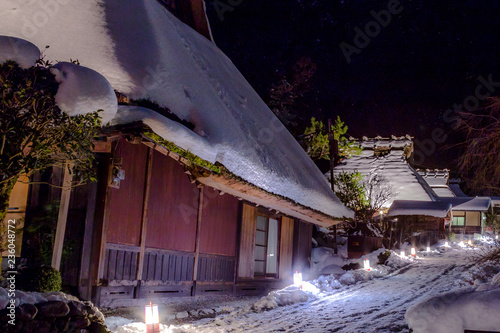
<point x="286" y="248"/>
<point x="124" y="206"/>
<point x="218" y="223"/>
<point x="247" y="242"/>
<point x="302" y="239"/>
<point x="173" y="207"/>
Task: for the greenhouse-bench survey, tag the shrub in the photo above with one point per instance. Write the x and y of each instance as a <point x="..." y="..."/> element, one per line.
<point x="382" y="257"/>
<point x="41" y="279"/>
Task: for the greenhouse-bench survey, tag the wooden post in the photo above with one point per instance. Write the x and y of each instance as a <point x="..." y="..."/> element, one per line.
<point x="334" y="150"/>
<point x="62" y="218"/>
<point x="144" y="222"/>
<point x="197" y="237"/>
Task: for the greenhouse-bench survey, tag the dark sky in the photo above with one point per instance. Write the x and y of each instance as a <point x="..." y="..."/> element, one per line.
<point x="425" y="60"/>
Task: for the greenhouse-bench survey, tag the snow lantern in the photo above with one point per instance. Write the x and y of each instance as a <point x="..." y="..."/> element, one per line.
<point x="413" y="252"/>
<point x="496" y="237"/>
<point x="152" y="318"/>
<point x="403" y="255"/>
<point x="297" y="279"/>
<point x="367" y="264"/>
<point x="469" y="242"/>
<point x="428" y="249"/>
<point x="446" y="243"/>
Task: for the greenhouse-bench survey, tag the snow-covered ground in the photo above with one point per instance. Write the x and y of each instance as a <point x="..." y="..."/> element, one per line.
<point x="357" y="301"/>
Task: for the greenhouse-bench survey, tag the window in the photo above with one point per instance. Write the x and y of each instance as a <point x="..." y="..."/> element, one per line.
<point x="458" y="221"/>
<point x="266" y="247"/>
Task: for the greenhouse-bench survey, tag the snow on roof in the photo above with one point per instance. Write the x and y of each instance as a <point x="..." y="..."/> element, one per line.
<point x="428" y="208"/>
<point x="468" y="203"/>
<point x="19" y="50"/>
<point x="406" y="182"/>
<point x="455" y="187"/>
<point x="145" y="52"/>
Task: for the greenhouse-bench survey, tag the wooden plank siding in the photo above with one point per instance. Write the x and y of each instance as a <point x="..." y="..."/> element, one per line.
<point x="216" y="268"/>
<point x="219" y="223"/>
<point x="302" y="238"/>
<point x="161" y="265"/>
<point x="120" y="263"/>
<point x="172" y="207"/>
<point x="124" y="206"/>
<point x="247" y="242"/>
<point x="286" y="248"/>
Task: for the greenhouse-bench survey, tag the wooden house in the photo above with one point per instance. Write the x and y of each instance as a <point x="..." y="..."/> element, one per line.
<point x="202" y="192"/>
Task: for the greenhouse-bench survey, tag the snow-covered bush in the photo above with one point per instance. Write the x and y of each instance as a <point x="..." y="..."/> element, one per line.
<point x="35" y="133"/>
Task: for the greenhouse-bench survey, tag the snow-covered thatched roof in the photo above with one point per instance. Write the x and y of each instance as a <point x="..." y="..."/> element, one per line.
<point x="426" y="208"/>
<point x="468" y="203"/>
<point x="387" y="157"/>
<point x="438" y="180"/>
<point x="147" y="53"/>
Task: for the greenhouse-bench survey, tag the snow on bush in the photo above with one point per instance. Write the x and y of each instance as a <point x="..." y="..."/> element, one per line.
<point x="83" y="90"/>
<point x="19" y="50"/>
<point x="34" y="297"/>
<point x="456" y="311"/>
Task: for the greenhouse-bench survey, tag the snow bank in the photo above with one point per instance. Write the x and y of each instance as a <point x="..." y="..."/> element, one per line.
<point x="456" y="311"/>
<point x="168" y="129"/>
<point x="19" y="50"/>
<point x="83" y="90"/>
<point x="287" y="296"/>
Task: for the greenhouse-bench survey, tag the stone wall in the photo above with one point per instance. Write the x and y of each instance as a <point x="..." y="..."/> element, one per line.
<point x="52" y="317"/>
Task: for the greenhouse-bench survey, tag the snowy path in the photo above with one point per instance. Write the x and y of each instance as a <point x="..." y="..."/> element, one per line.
<point x="377" y="305"/>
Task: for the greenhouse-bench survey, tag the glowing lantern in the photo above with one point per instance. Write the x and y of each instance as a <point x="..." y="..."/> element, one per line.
<point x="428" y="249"/>
<point x="469" y="242"/>
<point x="413" y="252"/>
<point x="403" y="255"/>
<point x="367" y="264"/>
<point x="446" y="243"/>
<point x="152" y="318"/>
<point x="496" y="237"/>
<point x="297" y="279"/>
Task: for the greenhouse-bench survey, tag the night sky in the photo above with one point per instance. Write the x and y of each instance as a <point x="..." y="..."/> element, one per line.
<point x="425" y="60"/>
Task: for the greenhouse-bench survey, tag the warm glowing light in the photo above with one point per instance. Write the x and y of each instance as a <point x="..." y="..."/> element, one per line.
<point x="496" y="237"/>
<point x="367" y="264"/>
<point x="469" y="242"/>
<point x="152" y="318"/>
<point x="428" y="249"/>
<point x="446" y="243"/>
<point x="297" y="279"/>
<point x="413" y="252"/>
<point x="403" y="255"/>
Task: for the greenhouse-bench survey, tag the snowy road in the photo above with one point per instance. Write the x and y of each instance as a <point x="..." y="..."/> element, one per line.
<point x="376" y="305"/>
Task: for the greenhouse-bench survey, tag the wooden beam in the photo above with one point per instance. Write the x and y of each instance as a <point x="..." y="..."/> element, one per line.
<point x="62" y="219"/>
<point x="84" y="279"/>
<point x="198" y="233"/>
<point x="144" y="222"/>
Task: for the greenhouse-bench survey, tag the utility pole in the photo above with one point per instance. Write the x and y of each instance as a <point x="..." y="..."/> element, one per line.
<point x="334" y="151"/>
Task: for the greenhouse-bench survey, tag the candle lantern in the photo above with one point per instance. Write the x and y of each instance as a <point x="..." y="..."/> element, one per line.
<point x="367" y="264"/>
<point x="403" y="255"/>
<point x="152" y="318"/>
<point x="297" y="279"/>
<point x="413" y="252"/>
